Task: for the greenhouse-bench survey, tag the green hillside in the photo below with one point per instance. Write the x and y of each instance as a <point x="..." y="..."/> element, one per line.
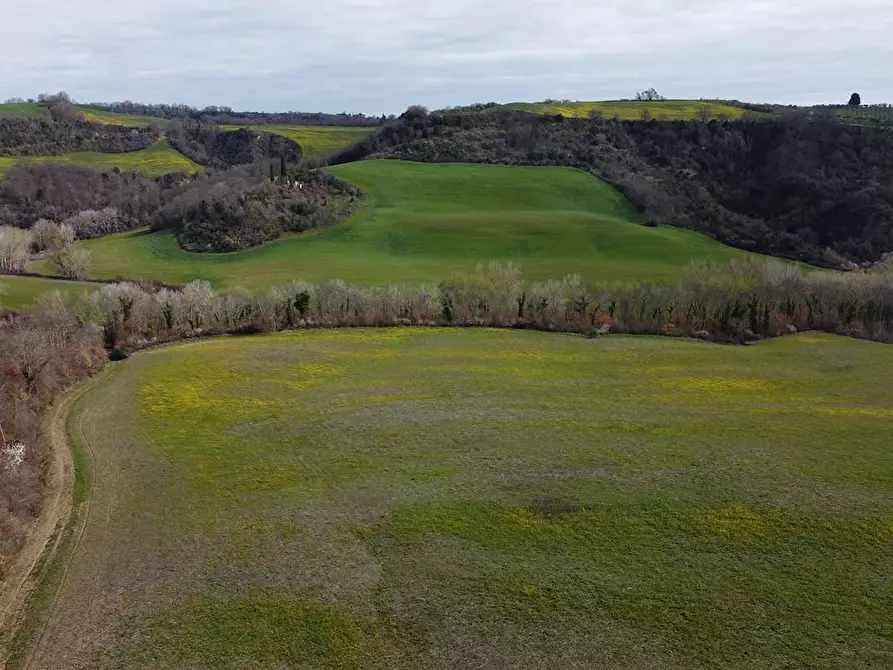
<point x="23" y="109"/>
<point x="630" y="109"/>
<point x="155" y="161"/>
<point x="425" y="222"/>
<point x="98" y="115"/>
<point x="316" y="141"/>
<point x="469" y="498"/>
<point x="21" y="293"/>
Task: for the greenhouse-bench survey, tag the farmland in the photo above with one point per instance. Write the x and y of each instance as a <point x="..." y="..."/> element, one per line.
<point x="99" y="115"/>
<point x="31" y="110"/>
<point x="157" y="160"/>
<point x="671" y="110"/>
<point x="425" y="222"/>
<point x="478" y="498"/>
<point x="316" y="141"/>
<point x="20" y="293"/>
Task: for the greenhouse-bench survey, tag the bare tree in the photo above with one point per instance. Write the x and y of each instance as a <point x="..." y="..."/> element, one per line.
<point x="649" y="95"/>
<point x="49" y="235"/>
<point x="15" y="250"/>
<point x="72" y="262"/>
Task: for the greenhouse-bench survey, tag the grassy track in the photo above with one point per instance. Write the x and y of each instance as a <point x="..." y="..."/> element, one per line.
<point x="474" y="498"/>
<point x="425" y="222"/>
<point x="20" y="293"/>
<point x="628" y="109"/>
<point x="155" y="161"/>
<point x="316" y="141"/>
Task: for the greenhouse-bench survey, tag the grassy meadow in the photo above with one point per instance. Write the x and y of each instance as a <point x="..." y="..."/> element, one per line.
<point x="316" y="141"/>
<point x="157" y="160"/>
<point x="21" y="293"/>
<point x="673" y="110"/>
<point x="478" y="498"/>
<point x="99" y="115"/>
<point x="425" y="222"/>
<point x="31" y="110"/>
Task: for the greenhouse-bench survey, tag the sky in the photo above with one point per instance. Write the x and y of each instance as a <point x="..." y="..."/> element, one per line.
<point x="380" y="56"/>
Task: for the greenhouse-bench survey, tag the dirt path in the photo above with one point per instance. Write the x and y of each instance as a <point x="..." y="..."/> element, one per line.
<point x="44" y="541"/>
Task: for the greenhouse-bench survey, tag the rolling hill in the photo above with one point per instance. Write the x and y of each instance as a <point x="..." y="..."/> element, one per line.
<point x="630" y="109"/>
<point x="99" y="115"/>
<point x="157" y="160"/>
<point x="425" y="222"/>
<point x="21" y="293"/>
<point x="315" y="141"/>
<point x="31" y="110"/>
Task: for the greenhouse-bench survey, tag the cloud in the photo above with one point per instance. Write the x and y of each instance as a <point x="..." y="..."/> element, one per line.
<point x="382" y="55"/>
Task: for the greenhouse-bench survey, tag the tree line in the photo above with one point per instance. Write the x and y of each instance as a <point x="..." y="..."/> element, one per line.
<point x="227" y="116"/>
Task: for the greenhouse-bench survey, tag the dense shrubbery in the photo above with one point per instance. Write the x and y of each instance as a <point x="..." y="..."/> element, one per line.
<point x="57" y="192"/>
<point x="223" y="211"/>
<point x="61" y="135"/>
<point x="38" y="357"/>
<point x="235" y="210"/>
<point x="208" y="145"/>
<point x="791" y="186"/>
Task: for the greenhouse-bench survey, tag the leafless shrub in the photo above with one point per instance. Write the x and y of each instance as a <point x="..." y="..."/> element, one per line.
<point x="72" y="261"/>
<point x="15" y="250"/>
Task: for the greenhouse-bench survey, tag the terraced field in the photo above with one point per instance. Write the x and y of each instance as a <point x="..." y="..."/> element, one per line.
<point x="423" y="223"/>
<point x="316" y="141"/>
<point x="475" y="498"/>
<point x="630" y="110"/>
<point x="157" y="160"/>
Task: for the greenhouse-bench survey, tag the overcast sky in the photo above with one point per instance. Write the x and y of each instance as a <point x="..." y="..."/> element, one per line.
<point x="379" y="56"/>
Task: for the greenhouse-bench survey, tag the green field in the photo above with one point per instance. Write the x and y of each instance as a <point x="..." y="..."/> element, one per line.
<point x="672" y="110"/>
<point x="476" y="498"/>
<point x="98" y="115"/>
<point x="157" y="160"/>
<point x="32" y="110"/>
<point x="316" y="141"/>
<point x="21" y="293"/>
<point x="424" y="222"/>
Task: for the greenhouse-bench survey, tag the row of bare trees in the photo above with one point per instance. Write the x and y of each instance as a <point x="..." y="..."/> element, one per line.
<point x="743" y="301"/>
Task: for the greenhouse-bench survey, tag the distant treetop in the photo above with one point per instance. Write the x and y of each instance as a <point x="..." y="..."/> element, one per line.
<point x="649" y="95"/>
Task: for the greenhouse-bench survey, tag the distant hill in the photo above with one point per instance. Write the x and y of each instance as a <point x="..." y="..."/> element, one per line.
<point x="315" y="141"/>
<point x="157" y="160"/>
<point x="671" y="110"/>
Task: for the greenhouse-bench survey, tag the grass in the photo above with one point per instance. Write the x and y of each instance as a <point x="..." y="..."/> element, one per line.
<point x="425" y="222"/>
<point x="99" y="115"/>
<point x="672" y="110"/>
<point x="316" y="141"/>
<point x="24" y="109"/>
<point x="477" y="498"/>
<point x="21" y="293"/>
<point x="157" y="160"/>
